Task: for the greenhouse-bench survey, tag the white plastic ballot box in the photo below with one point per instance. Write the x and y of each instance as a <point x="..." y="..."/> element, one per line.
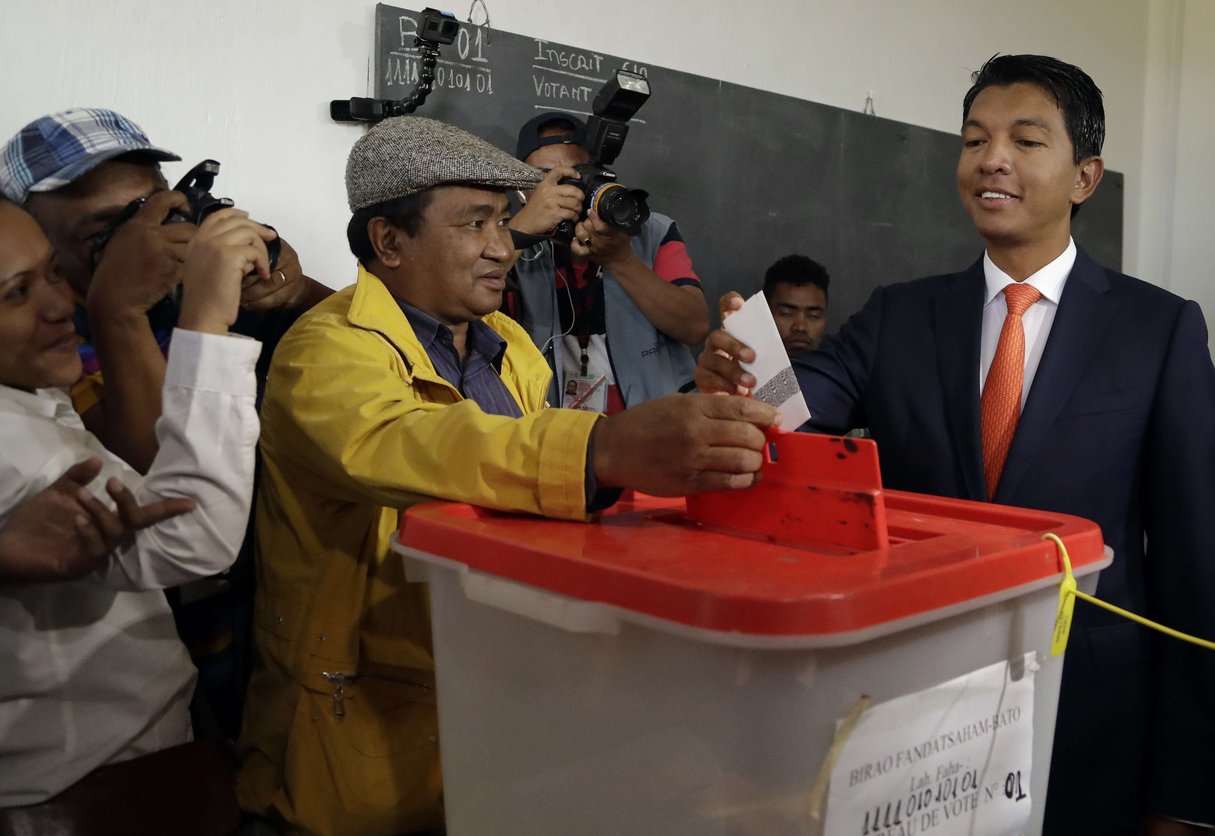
<point x="680" y="667"/>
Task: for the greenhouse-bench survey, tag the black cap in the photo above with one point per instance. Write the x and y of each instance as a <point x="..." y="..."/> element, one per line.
<point x="529" y="134"/>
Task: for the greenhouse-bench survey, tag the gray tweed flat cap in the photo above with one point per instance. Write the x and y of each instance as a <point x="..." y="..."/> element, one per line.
<point x="406" y="154"/>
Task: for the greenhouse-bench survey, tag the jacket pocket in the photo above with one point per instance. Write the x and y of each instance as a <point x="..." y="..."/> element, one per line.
<point x="369" y="764"/>
<point x="1105" y="403"/>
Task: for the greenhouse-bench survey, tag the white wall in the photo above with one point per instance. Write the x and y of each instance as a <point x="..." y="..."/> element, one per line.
<point x="1192" y="258"/>
<point x="248" y="82"/>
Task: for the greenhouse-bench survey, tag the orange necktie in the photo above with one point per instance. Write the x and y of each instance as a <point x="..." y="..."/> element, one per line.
<point x="1000" y="405"/>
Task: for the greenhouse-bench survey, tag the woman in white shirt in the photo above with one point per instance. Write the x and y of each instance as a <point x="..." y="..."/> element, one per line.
<point x="94" y="673"/>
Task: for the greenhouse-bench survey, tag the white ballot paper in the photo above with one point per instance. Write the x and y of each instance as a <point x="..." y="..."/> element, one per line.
<point x="951" y="760"/>
<point x="775" y="382"/>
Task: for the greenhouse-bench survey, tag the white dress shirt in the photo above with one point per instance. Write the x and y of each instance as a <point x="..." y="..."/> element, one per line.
<point x="91" y="670"/>
<point x="1036" y="321"/>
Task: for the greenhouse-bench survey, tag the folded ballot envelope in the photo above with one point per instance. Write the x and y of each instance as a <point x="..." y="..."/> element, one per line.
<point x="775" y="382"/>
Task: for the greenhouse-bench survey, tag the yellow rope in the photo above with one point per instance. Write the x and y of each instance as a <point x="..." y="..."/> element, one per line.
<point x="1068" y="591"/>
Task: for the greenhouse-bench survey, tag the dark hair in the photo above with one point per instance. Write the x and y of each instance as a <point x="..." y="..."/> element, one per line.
<point x="797" y="270"/>
<point x="1077" y="96"/>
<point x="405" y="213"/>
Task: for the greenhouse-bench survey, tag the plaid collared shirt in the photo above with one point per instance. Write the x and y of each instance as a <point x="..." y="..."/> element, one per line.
<point x="479" y="377"/>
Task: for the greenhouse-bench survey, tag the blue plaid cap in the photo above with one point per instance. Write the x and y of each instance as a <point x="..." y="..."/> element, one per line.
<point x="57" y="149"/>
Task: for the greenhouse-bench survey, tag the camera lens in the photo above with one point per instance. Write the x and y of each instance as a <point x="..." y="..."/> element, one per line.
<point x="625" y="209"/>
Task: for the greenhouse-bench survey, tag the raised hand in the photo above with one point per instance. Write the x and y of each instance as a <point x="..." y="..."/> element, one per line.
<point x="141" y="262"/>
<point x="719" y="367"/>
<point x="549" y="204"/>
<point x="227" y="247"/>
<point x="64" y="532"/>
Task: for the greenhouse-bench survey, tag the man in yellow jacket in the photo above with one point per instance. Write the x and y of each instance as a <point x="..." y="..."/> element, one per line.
<point x="408" y="386"/>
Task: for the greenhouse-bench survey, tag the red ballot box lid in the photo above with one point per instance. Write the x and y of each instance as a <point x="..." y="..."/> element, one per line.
<point x="816" y="548"/>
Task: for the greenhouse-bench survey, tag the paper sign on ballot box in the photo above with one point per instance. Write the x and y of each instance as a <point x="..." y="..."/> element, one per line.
<point x="946" y="761"/>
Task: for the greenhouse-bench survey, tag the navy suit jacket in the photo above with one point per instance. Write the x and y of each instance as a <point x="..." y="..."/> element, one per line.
<point x="1119" y="428"/>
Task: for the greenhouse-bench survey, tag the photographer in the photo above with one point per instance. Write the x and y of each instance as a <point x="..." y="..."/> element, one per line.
<point x="81" y="173"/>
<point x="76" y="172"/>
<point x="614" y="314"/>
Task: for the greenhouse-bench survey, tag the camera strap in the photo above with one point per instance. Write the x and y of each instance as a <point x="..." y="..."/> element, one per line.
<point x="583" y="329"/>
<point x="585" y="387"/>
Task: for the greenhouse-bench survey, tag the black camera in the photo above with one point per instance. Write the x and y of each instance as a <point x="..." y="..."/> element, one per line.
<point x="621" y="207"/>
<point x="196" y="186"/>
<point x="434" y="28"/>
<point x="438" y="27"/>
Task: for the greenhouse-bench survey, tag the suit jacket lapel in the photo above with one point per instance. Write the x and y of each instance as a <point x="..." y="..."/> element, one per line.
<point x="959" y="307"/>
<point x="1085" y="312"/>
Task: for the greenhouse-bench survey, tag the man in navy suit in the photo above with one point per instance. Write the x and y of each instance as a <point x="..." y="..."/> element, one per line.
<point x="1116" y="424"/>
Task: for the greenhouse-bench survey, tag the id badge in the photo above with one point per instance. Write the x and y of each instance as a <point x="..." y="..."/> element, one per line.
<point x="585" y="392"/>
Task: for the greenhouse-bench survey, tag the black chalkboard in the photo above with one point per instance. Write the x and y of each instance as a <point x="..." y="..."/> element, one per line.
<point x="749" y="175"/>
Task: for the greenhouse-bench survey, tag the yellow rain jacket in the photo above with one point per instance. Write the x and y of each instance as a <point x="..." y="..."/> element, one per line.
<point x="340" y="730"/>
